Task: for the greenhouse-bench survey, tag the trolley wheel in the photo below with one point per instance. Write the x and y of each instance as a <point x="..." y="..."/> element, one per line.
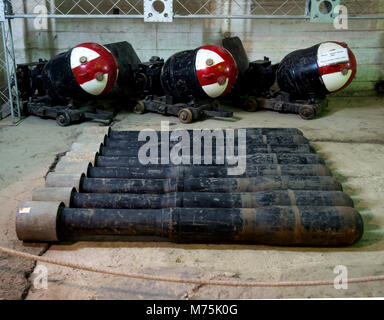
<point x="63" y="119"/>
<point x="250" y="104"/>
<point x="185" y="116"/>
<point x="307" y="112"/>
<point x="139" y="108"/>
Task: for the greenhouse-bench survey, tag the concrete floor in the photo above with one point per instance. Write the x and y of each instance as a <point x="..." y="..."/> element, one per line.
<point x="350" y="137"/>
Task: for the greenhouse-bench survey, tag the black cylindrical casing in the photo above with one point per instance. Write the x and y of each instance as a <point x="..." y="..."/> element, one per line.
<point x="250" y="141"/>
<point x="128" y="62"/>
<point x="255" y="78"/>
<point x="259" y="78"/>
<point x="211" y="200"/>
<point x="129" y="135"/>
<point x="163" y="172"/>
<point x="131" y="152"/>
<point x="179" y="77"/>
<point x="236" y="48"/>
<point x="299" y="75"/>
<point x="215" y="185"/>
<point x="61" y="84"/>
<point x="60" y="81"/>
<point x="274" y="225"/>
<point x="314" y="72"/>
<point x="258" y="158"/>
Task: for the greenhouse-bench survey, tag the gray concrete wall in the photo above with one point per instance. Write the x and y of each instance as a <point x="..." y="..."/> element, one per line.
<point x="272" y="38"/>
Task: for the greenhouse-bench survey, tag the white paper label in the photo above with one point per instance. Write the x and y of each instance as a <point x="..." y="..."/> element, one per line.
<point x="333" y="57"/>
<point x="25" y="210"/>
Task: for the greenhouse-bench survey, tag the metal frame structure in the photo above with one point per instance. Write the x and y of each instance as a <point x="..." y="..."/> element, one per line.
<point x="134" y="9"/>
<point x="9" y="92"/>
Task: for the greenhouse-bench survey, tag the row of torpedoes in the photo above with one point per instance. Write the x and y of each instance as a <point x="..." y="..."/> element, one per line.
<point x="101" y="191"/>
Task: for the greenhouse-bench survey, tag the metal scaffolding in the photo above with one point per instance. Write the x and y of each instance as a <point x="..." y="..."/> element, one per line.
<point x="135" y="9"/>
<point x="9" y="97"/>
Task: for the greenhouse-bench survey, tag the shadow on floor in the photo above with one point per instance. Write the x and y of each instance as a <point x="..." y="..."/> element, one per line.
<point x="373" y="234"/>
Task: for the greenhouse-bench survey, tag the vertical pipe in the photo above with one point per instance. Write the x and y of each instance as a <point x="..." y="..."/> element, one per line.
<point x="14" y="69"/>
<point x="4" y="36"/>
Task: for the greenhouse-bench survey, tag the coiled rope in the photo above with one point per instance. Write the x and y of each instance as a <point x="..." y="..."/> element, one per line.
<point x="187" y="281"/>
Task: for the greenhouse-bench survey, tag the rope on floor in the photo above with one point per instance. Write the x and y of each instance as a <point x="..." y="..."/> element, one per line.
<point x="188" y="281"/>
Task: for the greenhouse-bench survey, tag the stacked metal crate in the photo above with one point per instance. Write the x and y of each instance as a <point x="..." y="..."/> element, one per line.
<point x="101" y="191"/>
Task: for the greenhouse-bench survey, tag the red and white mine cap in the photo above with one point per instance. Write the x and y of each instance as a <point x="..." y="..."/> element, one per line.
<point x="216" y="70"/>
<point x="94" y="67"/>
<point x="337" y="65"/>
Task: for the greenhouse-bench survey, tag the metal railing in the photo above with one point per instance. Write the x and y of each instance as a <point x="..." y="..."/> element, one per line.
<point x="209" y="9"/>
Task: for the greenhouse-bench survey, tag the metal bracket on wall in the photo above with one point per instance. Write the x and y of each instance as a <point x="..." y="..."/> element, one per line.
<point x="158" y="10"/>
<point x="322" y="10"/>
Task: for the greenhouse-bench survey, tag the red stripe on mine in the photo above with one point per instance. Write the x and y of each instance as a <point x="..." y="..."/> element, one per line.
<point x="105" y="63"/>
<point x="351" y="65"/>
<point x="214" y="74"/>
